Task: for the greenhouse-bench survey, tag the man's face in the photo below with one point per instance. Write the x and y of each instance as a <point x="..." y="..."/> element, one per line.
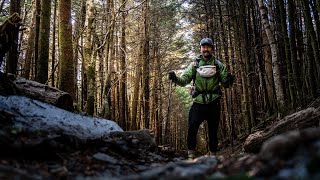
<point x="206" y="50"/>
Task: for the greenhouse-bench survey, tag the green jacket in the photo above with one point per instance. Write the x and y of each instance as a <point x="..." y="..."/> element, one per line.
<point x="208" y="88"/>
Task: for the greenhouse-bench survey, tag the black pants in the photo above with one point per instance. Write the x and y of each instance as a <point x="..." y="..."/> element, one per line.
<point x="198" y="113"/>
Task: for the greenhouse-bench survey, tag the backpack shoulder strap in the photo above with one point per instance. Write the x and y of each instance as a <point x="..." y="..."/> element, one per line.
<point x="217" y="63"/>
<point x="194" y="71"/>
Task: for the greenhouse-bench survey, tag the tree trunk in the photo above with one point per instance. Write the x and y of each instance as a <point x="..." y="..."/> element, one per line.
<point x="123" y="71"/>
<point x="12" y="56"/>
<point x="30" y="46"/>
<point x="310" y="29"/>
<point x="106" y="109"/>
<point x="250" y="62"/>
<point x="79" y="25"/>
<point x="268" y="71"/>
<point x="89" y="65"/>
<point x="21" y="38"/>
<point x="227" y="95"/>
<point x="135" y="98"/>
<point x="155" y="100"/>
<point x="168" y="128"/>
<point x="285" y="41"/>
<point x="110" y="60"/>
<point x="233" y="69"/>
<point x="53" y="56"/>
<point x="293" y="48"/>
<point x="66" y="70"/>
<point x="36" y="37"/>
<point x="315" y="13"/>
<point x="274" y="51"/>
<point x="43" y="60"/>
<point x="258" y="40"/>
<point x="310" y="71"/>
<point x="244" y="44"/>
<point x="146" y="66"/>
<point x="159" y="119"/>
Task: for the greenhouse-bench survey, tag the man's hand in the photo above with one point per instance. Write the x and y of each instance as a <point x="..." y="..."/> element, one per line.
<point x="228" y="81"/>
<point x="172" y="76"/>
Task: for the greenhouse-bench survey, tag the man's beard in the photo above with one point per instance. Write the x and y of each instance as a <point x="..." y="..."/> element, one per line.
<point x="207" y="55"/>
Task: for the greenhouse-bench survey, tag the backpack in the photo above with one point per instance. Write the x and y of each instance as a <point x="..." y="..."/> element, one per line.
<point x="194" y="92"/>
<point x="194" y="72"/>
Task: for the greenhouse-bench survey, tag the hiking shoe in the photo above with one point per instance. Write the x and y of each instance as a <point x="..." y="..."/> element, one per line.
<point x="191" y="154"/>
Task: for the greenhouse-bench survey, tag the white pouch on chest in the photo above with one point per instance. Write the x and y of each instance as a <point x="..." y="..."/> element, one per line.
<point x="207" y="71"/>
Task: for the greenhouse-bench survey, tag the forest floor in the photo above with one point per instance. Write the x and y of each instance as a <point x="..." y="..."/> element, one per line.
<point x="60" y="151"/>
<point x="119" y="159"/>
<point x="232" y="150"/>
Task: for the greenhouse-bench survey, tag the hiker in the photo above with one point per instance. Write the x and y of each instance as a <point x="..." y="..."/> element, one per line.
<point x="207" y="73"/>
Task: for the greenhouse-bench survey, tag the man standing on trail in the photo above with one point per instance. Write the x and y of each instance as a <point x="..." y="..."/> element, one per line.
<point x="207" y="73"/>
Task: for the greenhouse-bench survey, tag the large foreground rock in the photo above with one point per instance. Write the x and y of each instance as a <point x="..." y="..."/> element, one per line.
<point x="33" y="115"/>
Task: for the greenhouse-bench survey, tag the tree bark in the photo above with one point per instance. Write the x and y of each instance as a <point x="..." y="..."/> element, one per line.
<point x="66" y="70"/>
<point x="315" y="13"/>
<point x="244" y="54"/>
<point x="79" y="25"/>
<point x="293" y="47"/>
<point x="258" y="41"/>
<point x="43" y="60"/>
<point x="310" y="29"/>
<point x="36" y="36"/>
<point x="30" y="46"/>
<point x="13" y="54"/>
<point x="285" y="41"/>
<point x="123" y="71"/>
<point x="111" y="60"/>
<point x="274" y="51"/>
<point x="135" y="98"/>
<point x="89" y="65"/>
<point x="107" y="94"/>
<point x="53" y="56"/>
<point x="311" y="72"/>
<point x="146" y="66"/>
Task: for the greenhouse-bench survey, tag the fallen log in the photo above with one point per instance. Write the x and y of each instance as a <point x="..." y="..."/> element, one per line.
<point x="32" y="89"/>
<point x="306" y="118"/>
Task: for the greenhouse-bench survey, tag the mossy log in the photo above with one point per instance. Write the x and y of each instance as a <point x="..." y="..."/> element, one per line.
<point x="306" y="118"/>
<point x="13" y="85"/>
